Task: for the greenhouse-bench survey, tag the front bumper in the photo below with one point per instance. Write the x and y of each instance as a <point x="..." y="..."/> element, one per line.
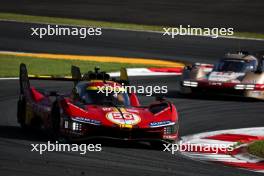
<point x="226" y="88"/>
<point x="85" y="131"/>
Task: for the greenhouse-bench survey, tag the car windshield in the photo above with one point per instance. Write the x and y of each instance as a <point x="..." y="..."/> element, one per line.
<point x="228" y="65"/>
<point x="100" y="98"/>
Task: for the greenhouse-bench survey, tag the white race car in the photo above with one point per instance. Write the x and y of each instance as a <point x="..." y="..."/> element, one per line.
<point x="236" y="74"/>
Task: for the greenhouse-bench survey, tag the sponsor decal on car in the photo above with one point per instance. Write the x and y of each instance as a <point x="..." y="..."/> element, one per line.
<point x="250" y="81"/>
<point x="224" y="76"/>
<point x="86" y="120"/>
<point x="126" y="118"/>
<point x="161" y="123"/>
<point x="132" y="110"/>
<point x="107" y="109"/>
<point x="215" y="83"/>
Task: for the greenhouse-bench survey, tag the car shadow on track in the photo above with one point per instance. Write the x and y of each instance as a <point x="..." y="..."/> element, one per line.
<point x="17" y="133"/>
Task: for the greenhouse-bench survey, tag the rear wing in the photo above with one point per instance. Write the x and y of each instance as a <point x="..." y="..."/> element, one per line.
<point x="24" y="78"/>
<point x="75" y="77"/>
<point x="124" y="76"/>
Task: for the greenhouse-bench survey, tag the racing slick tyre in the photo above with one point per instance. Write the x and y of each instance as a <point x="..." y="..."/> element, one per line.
<point x="21" y="112"/>
<point x="55" y="125"/>
<point x="55" y="119"/>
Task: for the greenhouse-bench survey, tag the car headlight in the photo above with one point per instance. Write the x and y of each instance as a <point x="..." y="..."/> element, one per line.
<point x="76" y="126"/>
<point x="244" y="87"/>
<point x="171" y="129"/>
<point x="190" y="83"/>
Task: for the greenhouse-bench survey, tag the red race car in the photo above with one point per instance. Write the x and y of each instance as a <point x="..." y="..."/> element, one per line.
<point x="87" y="112"/>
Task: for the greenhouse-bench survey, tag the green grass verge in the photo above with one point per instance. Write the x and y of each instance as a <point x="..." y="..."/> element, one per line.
<point x="78" y="22"/>
<point x="102" y="24"/>
<point x="257" y="148"/>
<point x="9" y="66"/>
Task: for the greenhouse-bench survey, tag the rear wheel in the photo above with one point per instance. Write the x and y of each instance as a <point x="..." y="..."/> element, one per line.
<point x="21" y="112"/>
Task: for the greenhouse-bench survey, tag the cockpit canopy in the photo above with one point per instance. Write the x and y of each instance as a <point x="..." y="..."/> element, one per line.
<point x="90" y="93"/>
<point x="235" y="65"/>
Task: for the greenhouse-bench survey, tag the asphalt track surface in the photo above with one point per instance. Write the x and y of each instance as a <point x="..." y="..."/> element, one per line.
<point x="17" y="37"/>
<point x="242" y="15"/>
<point x="198" y="114"/>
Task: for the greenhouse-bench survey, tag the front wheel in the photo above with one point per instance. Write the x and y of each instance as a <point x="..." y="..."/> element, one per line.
<point x="55" y="124"/>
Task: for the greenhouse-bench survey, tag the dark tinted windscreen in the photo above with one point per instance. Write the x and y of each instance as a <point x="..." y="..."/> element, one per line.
<point x="226" y="65"/>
